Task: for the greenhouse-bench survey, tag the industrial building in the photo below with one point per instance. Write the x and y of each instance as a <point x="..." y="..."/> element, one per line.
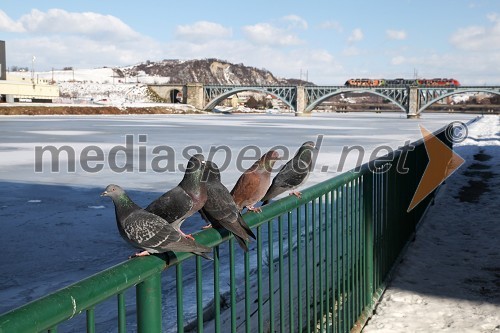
<point x="22" y="89"/>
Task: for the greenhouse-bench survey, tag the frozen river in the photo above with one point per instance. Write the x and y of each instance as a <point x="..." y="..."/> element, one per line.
<point x="56" y="230"/>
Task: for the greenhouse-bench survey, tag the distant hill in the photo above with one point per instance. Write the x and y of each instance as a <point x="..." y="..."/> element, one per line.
<point x="209" y="71"/>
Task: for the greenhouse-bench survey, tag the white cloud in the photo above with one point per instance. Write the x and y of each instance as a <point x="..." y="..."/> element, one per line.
<point x="267" y="34"/>
<point x="356" y="35"/>
<point x="331" y="25"/>
<point x="398" y="60"/>
<point x="478" y="38"/>
<point x="59" y="38"/>
<point x="58" y="21"/>
<point x="350" y="51"/>
<point x="9" y="25"/>
<point x="396" y="34"/>
<point x="202" y="31"/>
<point x="296" y="21"/>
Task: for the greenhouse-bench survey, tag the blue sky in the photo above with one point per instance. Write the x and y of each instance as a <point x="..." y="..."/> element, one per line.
<point x="331" y="41"/>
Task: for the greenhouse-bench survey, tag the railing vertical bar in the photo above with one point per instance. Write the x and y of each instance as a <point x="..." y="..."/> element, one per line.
<point x="180" y="298"/>
<point x="199" y="295"/>
<point x="270" y="251"/>
<point x="90" y="320"/>
<point x="148" y="298"/>
<point x="349" y="253"/>
<point x="217" y="288"/>
<point x="122" y="319"/>
<point x="363" y="241"/>
<point x="358" y="248"/>
<point x="345" y="259"/>
<point x="260" y="310"/>
<point x="354" y="234"/>
<point x="314" y="282"/>
<point x="327" y="263"/>
<point x="368" y="237"/>
<point x="290" y="274"/>
<point x="333" y="200"/>
<point x="248" y="326"/>
<point x="281" y="274"/>
<point x="338" y="208"/>
<point x="232" y="284"/>
<point x="299" y="269"/>
<point x="320" y="259"/>
<point x="308" y="263"/>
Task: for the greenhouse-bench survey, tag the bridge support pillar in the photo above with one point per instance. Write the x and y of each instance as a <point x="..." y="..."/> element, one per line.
<point x="194" y="95"/>
<point x="413" y="104"/>
<point x="300" y="104"/>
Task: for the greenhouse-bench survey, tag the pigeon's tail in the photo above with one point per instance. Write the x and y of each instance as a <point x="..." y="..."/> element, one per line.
<point x="245" y="226"/>
<point x="241" y="242"/>
<point x="189" y="245"/>
<point x="201" y="254"/>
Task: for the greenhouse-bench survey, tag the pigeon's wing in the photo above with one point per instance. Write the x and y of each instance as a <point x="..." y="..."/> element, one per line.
<point x="289" y="177"/>
<point x="172" y="206"/>
<point x="292" y="174"/>
<point x="153" y="234"/>
<point x="220" y="205"/>
<point x="246" y="190"/>
<point x="150" y="232"/>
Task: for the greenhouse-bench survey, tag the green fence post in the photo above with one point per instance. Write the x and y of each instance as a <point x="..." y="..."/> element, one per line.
<point x="368" y="221"/>
<point x="149" y="305"/>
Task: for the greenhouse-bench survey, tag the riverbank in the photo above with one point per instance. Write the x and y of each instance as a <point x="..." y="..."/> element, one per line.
<point x="93" y="109"/>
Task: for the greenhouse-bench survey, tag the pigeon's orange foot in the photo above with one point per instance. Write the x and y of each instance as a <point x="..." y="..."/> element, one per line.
<point x="296" y="193"/>
<point x="188" y="236"/>
<point x="254" y="209"/>
<point x="208" y="226"/>
<point x="140" y="254"/>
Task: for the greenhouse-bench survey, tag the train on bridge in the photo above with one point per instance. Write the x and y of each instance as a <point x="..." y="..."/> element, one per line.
<point x="402" y="82"/>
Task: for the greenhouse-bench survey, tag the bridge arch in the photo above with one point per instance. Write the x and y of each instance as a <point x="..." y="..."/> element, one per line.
<point x="315" y="103"/>
<point x="457" y="92"/>
<point x="219" y="98"/>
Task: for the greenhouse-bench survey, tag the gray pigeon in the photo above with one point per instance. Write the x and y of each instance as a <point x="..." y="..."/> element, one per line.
<point x="254" y="182"/>
<point x="186" y="198"/>
<point x="220" y="209"/>
<point x="147" y="231"/>
<point x="294" y="173"/>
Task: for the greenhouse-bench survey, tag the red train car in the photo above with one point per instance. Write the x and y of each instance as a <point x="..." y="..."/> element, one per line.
<point x="402" y="82"/>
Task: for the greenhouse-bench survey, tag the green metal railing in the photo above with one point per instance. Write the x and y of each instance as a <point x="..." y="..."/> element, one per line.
<point x="320" y="263"/>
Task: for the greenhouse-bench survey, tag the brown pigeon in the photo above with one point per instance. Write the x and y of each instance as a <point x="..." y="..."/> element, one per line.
<point x="185" y="199"/>
<point x="220" y="209"/>
<point x="294" y="173"/>
<point x="147" y="231"/>
<point x="254" y="182"/>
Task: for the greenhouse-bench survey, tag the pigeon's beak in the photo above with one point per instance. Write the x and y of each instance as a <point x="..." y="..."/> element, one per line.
<point x="105" y="193"/>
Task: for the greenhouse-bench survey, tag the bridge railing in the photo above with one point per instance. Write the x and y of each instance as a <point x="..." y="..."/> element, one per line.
<point x="320" y="262"/>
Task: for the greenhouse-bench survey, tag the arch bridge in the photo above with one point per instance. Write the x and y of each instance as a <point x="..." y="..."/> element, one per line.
<point x="412" y="100"/>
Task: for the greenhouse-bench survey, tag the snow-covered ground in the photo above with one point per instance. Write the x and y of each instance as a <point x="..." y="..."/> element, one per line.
<point x="449" y="279"/>
<point x="55" y="223"/>
<point x="100" y="85"/>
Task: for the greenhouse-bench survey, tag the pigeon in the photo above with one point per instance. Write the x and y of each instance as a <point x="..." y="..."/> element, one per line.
<point x="220" y="210"/>
<point x="293" y="174"/>
<point x="185" y="199"/>
<point x="254" y="182"/>
<point x="147" y="231"/>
